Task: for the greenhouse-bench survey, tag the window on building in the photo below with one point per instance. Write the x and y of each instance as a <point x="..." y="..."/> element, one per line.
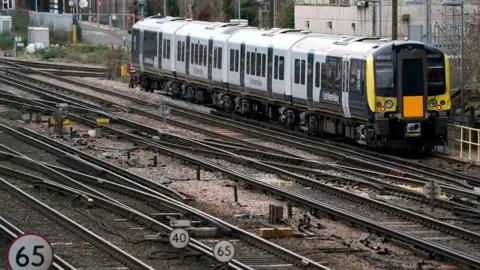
<point x="232" y="59"/>
<point x="248" y="62"/>
<point x="264" y="63"/>
<point x="303" y="72"/>
<point x="297" y="71"/>
<point x="281" y="68"/>
<point x="220" y="57"/>
<point x="8" y="4"/>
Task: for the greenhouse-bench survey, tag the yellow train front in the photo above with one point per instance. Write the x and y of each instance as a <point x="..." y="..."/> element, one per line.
<point x="408" y="96"/>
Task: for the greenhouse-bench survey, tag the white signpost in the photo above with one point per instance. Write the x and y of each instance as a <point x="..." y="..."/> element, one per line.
<point x="30" y="251"/>
<point x="224" y="251"/>
<point x="179" y="238"/>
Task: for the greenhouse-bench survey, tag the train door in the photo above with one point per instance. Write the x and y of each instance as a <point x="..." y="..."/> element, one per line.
<point x="210" y="60"/>
<point x="142" y="34"/>
<point x="160" y="50"/>
<point x="346" y="86"/>
<point x="242" y="67"/>
<point x="412" y="83"/>
<point x="310" y="59"/>
<point x="136" y="46"/>
<point x="187" y="57"/>
<point x="356" y="91"/>
<point x="270" y="72"/>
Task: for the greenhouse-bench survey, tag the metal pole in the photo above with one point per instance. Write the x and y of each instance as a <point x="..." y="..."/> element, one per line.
<point x="429" y="21"/>
<point x="76" y="9"/>
<point x="165" y="8"/>
<point x="275" y="13"/>
<point x="380" y="20"/>
<point x="461" y="71"/>
<point x="260" y="17"/>
<point x="123" y="8"/>
<point x="239" y="10"/>
<point x="98" y="21"/>
<point x="36" y="5"/>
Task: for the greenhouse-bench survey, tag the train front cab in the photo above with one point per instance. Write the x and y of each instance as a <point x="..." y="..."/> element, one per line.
<point x="409" y="89"/>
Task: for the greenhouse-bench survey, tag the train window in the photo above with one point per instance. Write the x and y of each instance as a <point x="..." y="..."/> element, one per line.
<point x="252" y="67"/>
<point x="232" y="60"/>
<point x="168" y="48"/>
<point x="196" y="54"/>
<point x="384" y="79"/>
<point x="436" y="77"/>
<point x="200" y="61"/>
<point x="237" y="62"/>
<point x="215" y="57"/>
<point x="205" y="55"/>
<point x="281" y="68"/>
<point x="179" y="47"/>
<point x="264" y="63"/>
<point x="275" y="73"/>
<point x="259" y="64"/>
<point x="317" y="74"/>
<point x="183" y="51"/>
<point x="413" y="77"/>
<point x="220" y="56"/>
<point x="324" y="73"/>
<point x="248" y="62"/>
<point x="192" y="51"/>
<point x="297" y="71"/>
<point x="356" y="75"/>
<point x="303" y="72"/>
<point x="164" y="48"/>
<point x="338" y="76"/>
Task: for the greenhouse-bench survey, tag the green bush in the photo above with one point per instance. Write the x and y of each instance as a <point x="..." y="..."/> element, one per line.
<point x="52" y="52"/>
<point x="6" y="40"/>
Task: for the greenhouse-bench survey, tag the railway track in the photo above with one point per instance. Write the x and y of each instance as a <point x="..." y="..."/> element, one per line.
<point x="345" y="155"/>
<point x="44" y="65"/>
<point x="148" y="203"/>
<point x="299" y="164"/>
<point x="382" y="228"/>
<point x="10" y="232"/>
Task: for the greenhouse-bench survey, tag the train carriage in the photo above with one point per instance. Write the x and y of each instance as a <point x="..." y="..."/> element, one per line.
<point x="380" y="93"/>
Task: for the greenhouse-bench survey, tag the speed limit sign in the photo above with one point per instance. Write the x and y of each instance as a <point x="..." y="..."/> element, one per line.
<point x="30" y="251"/>
<point x="224" y="251"/>
<point x="179" y="238"/>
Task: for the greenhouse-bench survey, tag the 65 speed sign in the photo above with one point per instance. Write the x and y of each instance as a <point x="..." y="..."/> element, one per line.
<point x="30" y="251"/>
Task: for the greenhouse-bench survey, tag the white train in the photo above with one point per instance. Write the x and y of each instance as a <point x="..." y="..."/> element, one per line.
<point x="393" y="94"/>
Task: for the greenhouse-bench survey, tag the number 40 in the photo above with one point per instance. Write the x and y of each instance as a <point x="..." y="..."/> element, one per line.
<point x="22" y="257"/>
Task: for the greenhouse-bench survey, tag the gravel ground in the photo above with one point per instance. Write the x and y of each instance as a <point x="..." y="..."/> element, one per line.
<point x="18" y="92"/>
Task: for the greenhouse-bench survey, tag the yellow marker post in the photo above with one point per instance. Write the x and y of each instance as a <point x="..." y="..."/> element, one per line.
<point x="124" y="71"/>
<point x="74" y="34"/>
<point x="103" y="120"/>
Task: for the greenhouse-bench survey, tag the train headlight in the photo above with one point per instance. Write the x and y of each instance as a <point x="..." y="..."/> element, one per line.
<point x="432" y="103"/>
<point x="389" y="104"/>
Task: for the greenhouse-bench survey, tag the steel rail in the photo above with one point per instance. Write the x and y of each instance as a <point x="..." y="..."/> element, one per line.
<point x="74" y="227"/>
<point x="246" y="236"/>
<point x="434" y="247"/>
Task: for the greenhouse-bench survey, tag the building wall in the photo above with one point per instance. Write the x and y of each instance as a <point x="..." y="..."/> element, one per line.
<point x="316" y="15"/>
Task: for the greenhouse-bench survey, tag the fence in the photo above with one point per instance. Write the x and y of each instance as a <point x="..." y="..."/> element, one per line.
<point x="58" y="21"/>
<point x="461" y="137"/>
<point x="114" y="21"/>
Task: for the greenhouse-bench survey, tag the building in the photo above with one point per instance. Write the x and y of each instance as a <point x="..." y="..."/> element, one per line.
<point x="362" y="18"/>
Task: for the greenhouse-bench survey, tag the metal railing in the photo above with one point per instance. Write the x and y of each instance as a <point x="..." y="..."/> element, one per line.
<point x="112" y="21"/>
<point x="461" y="135"/>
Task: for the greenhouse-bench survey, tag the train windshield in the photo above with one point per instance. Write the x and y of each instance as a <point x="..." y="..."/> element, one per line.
<point x="436" y="77"/>
<point x="384" y="79"/>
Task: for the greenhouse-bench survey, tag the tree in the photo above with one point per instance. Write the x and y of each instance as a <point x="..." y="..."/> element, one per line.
<point x="289" y="17"/>
<point x="172" y="8"/>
